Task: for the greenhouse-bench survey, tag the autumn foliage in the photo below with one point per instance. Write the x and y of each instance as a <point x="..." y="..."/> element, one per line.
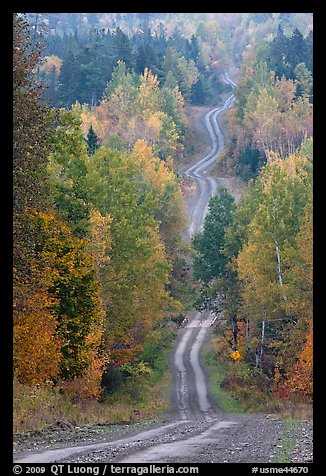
<point x="298" y="381"/>
<point x="96" y="235"/>
<point x="37" y="355"/>
<point x="97" y="230"/>
<point x="261" y="281"/>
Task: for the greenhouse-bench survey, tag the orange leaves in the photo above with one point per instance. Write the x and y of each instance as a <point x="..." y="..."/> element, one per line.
<point x="89" y="385"/>
<point x="37" y="353"/>
<point x="299" y="380"/>
<point x="126" y="351"/>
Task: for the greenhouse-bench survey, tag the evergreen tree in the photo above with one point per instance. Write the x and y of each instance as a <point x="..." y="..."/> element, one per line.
<point x="51" y="93"/>
<point x="123" y="48"/>
<point x="276" y="58"/>
<point x="193" y="49"/>
<point x="296" y="51"/>
<point x="68" y="89"/>
<point x="210" y="261"/>
<point x="145" y="58"/>
<point x="308" y="59"/>
<point x="92" y="141"/>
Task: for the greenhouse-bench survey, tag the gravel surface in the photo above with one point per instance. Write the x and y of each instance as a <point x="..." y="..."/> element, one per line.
<point x="227" y="438"/>
<point x="63" y="434"/>
<point x="303" y="447"/>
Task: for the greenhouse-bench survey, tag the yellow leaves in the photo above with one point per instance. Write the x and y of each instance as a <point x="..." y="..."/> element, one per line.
<point x="132" y="267"/>
<point x="137" y="109"/>
<point x="149" y="78"/>
<point x="154" y="124"/>
<point x="154" y="169"/>
<point x="100" y="238"/>
<point x="235" y="355"/>
<point x="148" y="98"/>
<point x="170" y="163"/>
<point x="49" y="62"/>
<point x="96" y="117"/>
<point x="265" y="260"/>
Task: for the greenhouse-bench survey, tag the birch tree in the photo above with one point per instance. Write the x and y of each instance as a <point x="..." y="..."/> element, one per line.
<point x="263" y="262"/>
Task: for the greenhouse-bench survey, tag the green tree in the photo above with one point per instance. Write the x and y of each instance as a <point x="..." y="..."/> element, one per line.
<point x="74" y="289"/>
<point x="122" y="47"/>
<point x="263" y="263"/>
<point x="92" y="141"/>
<point x="32" y="130"/>
<point x="303" y="81"/>
<point x="67" y="172"/>
<point x="68" y="84"/>
<point x="135" y="290"/>
<point x="210" y="261"/>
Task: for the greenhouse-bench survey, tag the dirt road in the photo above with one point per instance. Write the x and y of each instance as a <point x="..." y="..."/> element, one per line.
<point x="194" y="430"/>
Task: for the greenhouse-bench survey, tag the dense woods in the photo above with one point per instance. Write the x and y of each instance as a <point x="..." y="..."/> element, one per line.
<point x="273" y="109"/>
<point x="253" y="261"/>
<point x="99" y="129"/>
<point x="96" y="234"/>
<point x="260" y="278"/>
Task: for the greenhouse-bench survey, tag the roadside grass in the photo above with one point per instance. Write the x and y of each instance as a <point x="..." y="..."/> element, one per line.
<point x="238" y="388"/>
<point x="216" y="372"/>
<point x="139" y="400"/>
<point x="289" y="410"/>
<point x="286" y="442"/>
<point x="34" y="410"/>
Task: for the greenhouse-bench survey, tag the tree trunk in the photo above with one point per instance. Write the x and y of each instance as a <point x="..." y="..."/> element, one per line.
<point x="235" y="331"/>
<point x="262" y="344"/>
<point x="277" y="251"/>
<point x="259" y="352"/>
<point x="247" y="329"/>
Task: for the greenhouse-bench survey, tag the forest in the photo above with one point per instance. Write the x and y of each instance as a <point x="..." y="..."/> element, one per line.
<point x="101" y="277"/>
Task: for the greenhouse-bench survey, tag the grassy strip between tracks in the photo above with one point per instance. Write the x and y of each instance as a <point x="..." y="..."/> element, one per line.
<point x="216" y="372"/>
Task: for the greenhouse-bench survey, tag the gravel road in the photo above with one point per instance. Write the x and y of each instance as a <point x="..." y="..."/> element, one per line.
<point x="194" y="429"/>
<point x="226" y="438"/>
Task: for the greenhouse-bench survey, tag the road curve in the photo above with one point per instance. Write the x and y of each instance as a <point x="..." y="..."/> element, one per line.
<point x="207" y="185"/>
<point x="191" y="396"/>
<point x="192" y="409"/>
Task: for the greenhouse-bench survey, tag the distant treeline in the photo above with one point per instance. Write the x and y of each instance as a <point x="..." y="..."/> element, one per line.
<point x="79" y="68"/>
<point x="82" y="49"/>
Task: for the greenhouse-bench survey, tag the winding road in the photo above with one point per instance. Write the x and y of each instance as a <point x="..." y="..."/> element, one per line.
<point x="208" y="185"/>
<point x="190" y="390"/>
<point x="194" y="426"/>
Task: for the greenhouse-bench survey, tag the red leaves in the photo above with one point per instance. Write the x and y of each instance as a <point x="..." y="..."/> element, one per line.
<point x="299" y="381"/>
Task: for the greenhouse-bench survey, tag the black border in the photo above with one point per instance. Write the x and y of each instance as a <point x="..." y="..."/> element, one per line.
<point x="6" y="189"/>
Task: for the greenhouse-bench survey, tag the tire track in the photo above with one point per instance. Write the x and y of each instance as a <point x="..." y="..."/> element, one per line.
<point x="194" y="411"/>
<point x="191" y="392"/>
